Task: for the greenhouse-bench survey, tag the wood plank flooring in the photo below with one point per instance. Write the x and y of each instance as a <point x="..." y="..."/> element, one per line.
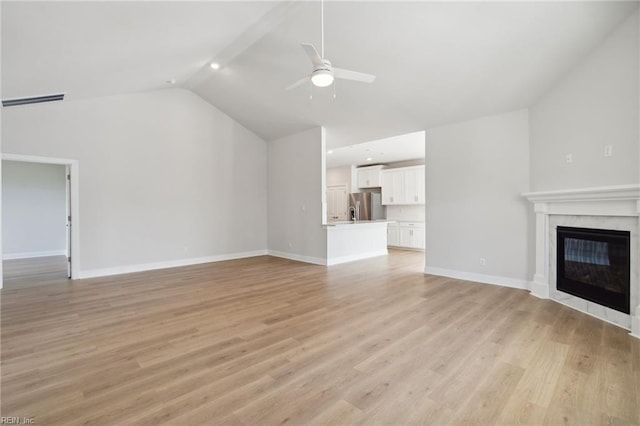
<point x="20" y="273"/>
<point x="269" y="341"/>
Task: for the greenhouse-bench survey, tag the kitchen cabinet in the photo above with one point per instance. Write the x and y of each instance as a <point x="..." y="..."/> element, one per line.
<point x="406" y="235"/>
<point x="369" y="177"/>
<point x="393" y="186"/>
<point x="411" y="235"/>
<point x="393" y="235"/>
<point x="403" y="186"/>
<point x="414" y="186"/>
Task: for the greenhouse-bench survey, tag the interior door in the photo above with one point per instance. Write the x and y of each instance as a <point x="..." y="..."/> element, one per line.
<point x="337" y="203"/>
<point x="68" y="204"/>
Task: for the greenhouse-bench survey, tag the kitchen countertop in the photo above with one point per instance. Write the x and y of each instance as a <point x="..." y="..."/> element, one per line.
<point x="347" y="223"/>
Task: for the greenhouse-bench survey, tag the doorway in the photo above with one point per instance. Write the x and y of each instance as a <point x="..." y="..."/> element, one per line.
<point x="40" y="215"/>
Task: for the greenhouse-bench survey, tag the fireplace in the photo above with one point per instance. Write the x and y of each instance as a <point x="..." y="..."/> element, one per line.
<point x="594" y="264"/>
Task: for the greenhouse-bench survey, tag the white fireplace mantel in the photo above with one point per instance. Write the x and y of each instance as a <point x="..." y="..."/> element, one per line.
<point x="620" y="201"/>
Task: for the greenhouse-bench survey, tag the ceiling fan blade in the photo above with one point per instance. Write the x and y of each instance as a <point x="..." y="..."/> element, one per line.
<point x="299" y="83"/>
<point x="353" y="75"/>
<point x="313" y="54"/>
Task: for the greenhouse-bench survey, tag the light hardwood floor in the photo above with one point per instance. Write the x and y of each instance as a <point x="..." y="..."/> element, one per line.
<point x="270" y="341"/>
<point x="20" y="273"/>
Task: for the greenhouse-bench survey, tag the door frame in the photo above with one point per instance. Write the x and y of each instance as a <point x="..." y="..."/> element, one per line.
<point x="74" y="200"/>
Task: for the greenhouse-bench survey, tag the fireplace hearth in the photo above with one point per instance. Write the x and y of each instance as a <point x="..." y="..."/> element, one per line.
<point x="593" y="264"/>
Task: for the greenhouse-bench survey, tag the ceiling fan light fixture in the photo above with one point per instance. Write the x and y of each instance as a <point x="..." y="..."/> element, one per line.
<point x="322" y="78"/>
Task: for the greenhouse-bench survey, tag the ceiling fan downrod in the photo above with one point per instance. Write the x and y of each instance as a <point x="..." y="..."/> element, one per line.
<point x="322" y="28"/>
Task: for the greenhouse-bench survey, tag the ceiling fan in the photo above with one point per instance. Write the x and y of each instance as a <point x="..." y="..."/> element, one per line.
<point x="323" y="72"/>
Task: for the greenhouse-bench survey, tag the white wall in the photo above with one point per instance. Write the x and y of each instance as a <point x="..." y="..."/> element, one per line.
<point x="595" y="105"/>
<point x="475" y="173"/>
<point x="296" y="191"/>
<point x="406" y="213"/>
<point x="33" y="210"/>
<point x="340" y="176"/>
<point x="165" y="178"/>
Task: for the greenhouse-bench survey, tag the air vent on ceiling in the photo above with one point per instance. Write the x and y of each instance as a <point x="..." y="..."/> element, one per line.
<point x="32" y="100"/>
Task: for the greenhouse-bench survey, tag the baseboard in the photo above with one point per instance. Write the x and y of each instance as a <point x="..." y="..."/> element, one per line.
<point x="352" y="258"/>
<point x="28" y="255"/>
<point x="635" y="324"/>
<point x="481" y="278"/>
<point x="297" y="257"/>
<point x="94" y="273"/>
<point x="539" y="290"/>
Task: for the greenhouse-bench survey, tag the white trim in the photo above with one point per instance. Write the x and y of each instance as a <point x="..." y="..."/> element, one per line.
<point x="74" y="172"/>
<point x="35" y="159"/>
<point x="599" y="193"/>
<point x="28" y="255"/>
<point x="117" y="270"/>
<point x="297" y="257"/>
<point x="480" y="278"/>
<point x="354" y="257"/>
<point x="539" y="288"/>
<point x="635" y="322"/>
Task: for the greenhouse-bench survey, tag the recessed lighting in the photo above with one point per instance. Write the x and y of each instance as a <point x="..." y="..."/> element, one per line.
<point x="172" y="81"/>
<point x="214" y="66"/>
<point x="330" y="152"/>
<point x="369" y="158"/>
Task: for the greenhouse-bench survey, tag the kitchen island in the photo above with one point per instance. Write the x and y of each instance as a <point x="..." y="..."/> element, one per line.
<point x="349" y="241"/>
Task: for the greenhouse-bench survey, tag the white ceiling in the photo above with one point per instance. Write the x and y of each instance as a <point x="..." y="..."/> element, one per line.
<point x="435" y="62"/>
<point x="91" y="49"/>
<point x="381" y="151"/>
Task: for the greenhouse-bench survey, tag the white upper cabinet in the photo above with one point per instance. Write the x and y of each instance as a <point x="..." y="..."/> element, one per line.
<point x="403" y="185"/>
<point x="369" y="177"/>
<point x="414" y="186"/>
<point x="393" y="187"/>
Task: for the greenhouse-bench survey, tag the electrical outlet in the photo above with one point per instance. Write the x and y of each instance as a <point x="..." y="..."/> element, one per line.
<point x="569" y="158"/>
<point x="608" y="150"/>
<point x="483" y="261"/>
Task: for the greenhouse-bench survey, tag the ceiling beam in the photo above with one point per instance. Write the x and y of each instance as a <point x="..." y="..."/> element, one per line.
<point x="269" y="21"/>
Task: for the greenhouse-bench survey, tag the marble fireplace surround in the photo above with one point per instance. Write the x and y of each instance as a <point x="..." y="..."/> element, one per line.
<point x="607" y="207"/>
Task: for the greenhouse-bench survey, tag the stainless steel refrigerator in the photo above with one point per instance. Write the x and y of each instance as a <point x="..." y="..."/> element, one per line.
<point x="368" y="204"/>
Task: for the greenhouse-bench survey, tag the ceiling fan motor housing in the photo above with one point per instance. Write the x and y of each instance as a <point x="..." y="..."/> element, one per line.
<point x="322" y="76"/>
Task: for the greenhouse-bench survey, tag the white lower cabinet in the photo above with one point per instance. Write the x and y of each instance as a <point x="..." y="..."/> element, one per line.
<point x="406" y="235"/>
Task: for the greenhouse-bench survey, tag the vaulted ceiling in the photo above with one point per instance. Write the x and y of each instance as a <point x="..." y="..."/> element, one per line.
<point x="435" y="62"/>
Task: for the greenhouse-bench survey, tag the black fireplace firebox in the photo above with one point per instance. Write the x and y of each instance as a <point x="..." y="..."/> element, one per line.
<point x="594" y="264"/>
